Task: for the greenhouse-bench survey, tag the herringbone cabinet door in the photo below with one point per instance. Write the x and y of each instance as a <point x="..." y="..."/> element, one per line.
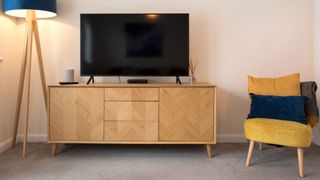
<point x="76" y="114"/>
<point x="186" y="114"/>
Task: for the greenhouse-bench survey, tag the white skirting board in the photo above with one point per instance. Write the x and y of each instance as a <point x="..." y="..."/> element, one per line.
<point x="33" y="138"/>
<point x="231" y="138"/>
<point x="5" y="145"/>
<point x="316" y="135"/>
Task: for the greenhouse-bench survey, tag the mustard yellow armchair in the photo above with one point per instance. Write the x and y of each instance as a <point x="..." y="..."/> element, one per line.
<point x="278" y="132"/>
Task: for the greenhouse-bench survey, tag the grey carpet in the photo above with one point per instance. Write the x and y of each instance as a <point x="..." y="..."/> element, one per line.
<point x="165" y="162"/>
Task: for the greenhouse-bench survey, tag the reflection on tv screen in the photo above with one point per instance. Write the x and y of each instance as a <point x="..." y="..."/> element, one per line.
<point x="143" y="39"/>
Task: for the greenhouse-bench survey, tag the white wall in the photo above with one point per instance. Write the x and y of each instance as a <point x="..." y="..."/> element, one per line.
<point x="316" y="67"/>
<point x="8" y="77"/>
<point x="230" y="39"/>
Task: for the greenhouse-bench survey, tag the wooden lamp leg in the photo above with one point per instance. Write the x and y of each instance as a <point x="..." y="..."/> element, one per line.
<point x="20" y="92"/>
<point x="41" y="67"/>
<point x="301" y="162"/>
<point x="25" y="138"/>
<point x="32" y="29"/>
<point x="30" y="19"/>
<point x="251" y="147"/>
<point x="25" y="60"/>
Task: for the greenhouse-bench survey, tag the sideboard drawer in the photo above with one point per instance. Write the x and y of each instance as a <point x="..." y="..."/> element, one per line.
<point x="131" y="94"/>
<point x="131" y="111"/>
<point x="131" y="131"/>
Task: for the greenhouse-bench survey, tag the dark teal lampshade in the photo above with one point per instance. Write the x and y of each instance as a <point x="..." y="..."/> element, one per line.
<point x="19" y="8"/>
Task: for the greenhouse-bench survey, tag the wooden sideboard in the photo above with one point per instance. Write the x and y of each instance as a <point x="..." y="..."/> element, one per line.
<point x="132" y="114"/>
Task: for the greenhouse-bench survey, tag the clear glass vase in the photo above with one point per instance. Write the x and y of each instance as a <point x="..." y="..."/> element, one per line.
<point x="192" y="79"/>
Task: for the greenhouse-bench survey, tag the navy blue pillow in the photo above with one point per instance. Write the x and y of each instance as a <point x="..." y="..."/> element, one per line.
<point x="289" y="108"/>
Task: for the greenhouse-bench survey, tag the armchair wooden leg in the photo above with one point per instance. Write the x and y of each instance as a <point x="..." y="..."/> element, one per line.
<point x="260" y="146"/>
<point x="301" y="162"/>
<point x="251" y="147"/>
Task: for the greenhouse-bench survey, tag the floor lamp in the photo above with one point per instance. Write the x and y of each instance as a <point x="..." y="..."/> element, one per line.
<point x="30" y="10"/>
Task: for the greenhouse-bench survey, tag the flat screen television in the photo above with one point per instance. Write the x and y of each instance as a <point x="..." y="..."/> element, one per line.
<point x="134" y="45"/>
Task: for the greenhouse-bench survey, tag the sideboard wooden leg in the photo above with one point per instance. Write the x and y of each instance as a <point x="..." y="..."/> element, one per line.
<point x="54" y="149"/>
<point x="209" y="150"/>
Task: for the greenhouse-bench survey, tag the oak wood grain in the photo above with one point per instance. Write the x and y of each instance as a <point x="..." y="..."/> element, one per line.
<point x="131" y="131"/>
<point x="186" y="114"/>
<point x="131" y="94"/>
<point x="131" y="111"/>
<point x="76" y="114"/>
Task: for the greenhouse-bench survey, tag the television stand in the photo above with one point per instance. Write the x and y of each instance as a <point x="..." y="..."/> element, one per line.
<point x="178" y="81"/>
<point x="132" y="114"/>
<point x="90" y="79"/>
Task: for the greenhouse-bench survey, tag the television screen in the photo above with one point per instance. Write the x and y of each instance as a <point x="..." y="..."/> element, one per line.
<point x="134" y="44"/>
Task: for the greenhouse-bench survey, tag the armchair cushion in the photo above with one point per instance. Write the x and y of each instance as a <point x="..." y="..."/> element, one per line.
<point x="286" y="133"/>
<point x="282" y="86"/>
<point x="289" y="108"/>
